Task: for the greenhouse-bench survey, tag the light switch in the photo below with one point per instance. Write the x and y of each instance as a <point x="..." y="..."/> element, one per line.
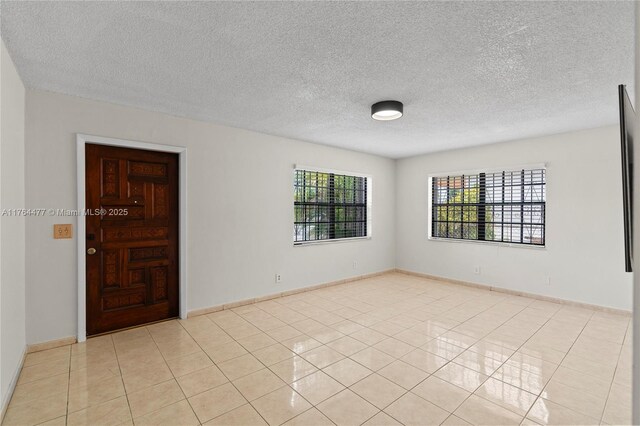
<point x="62" y="231"/>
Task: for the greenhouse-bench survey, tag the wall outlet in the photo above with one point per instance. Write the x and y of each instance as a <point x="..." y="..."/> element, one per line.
<point x="278" y="278"/>
<point x="476" y="270"/>
<point x="61" y="231"/>
<point x="355" y="264"/>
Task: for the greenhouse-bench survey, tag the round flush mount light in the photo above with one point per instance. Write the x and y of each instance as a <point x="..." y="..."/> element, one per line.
<point x="386" y="110"/>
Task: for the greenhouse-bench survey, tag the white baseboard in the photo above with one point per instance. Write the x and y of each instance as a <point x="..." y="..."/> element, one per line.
<point x="51" y="344"/>
<point x="231" y="305"/>
<point x="517" y="293"/>
<point x="16" y="374"/>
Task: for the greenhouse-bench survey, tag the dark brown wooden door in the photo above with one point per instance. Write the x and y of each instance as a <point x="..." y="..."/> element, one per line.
<point x="132" y="237"/>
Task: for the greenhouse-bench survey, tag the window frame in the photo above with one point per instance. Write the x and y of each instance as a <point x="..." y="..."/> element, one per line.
<point x="511" y="168"/>
<point x="369" y="209"/>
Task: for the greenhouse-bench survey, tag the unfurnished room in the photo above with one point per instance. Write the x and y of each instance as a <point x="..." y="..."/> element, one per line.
<point x="319" y="213"/>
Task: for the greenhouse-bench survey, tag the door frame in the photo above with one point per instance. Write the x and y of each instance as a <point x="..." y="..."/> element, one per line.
<point x="81" y="141"/>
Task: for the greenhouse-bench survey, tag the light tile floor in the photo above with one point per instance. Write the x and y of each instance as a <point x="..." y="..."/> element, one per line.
<point x="393" y="349"/>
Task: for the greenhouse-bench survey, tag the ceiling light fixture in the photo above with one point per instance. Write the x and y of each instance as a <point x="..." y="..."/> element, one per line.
<point x="386" y="110"/>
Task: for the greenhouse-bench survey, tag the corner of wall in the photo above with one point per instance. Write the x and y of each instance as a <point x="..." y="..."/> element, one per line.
<point x="6" y="396"/>
<point x="395" y="213"/>
<point x="12" y="228"/>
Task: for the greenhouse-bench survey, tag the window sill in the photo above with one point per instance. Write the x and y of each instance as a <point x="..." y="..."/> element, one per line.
<point x="335" y="241"/>
<point x="488" y="243"/>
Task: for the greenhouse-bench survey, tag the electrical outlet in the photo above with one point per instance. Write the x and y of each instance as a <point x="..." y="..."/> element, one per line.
<point x="476" y="270"/>
<point x="278" y="278"/>
<point x="355" y="265"/>
<point x="61" y="231"/>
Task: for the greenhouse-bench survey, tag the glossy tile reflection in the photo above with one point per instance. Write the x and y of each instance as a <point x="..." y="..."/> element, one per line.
<point x="393" y="349"/>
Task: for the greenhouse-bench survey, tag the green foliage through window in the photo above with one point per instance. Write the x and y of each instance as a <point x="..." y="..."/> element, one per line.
<point x="329" y="206"/>
<point x="506" y="206"/>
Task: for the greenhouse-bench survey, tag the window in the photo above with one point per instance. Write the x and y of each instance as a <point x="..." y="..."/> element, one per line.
<point x="329" y="206"/>
<point x="507" y="206"/>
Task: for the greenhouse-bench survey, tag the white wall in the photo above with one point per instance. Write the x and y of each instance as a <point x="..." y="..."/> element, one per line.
<point x="584" y="254"/>
<point x="12" y="229"/>
<point x="240" y="203"/>
<point x="235" y="252"/>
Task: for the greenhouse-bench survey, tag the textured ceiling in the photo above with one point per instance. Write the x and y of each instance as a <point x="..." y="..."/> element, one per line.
<point x="469" y="73"/>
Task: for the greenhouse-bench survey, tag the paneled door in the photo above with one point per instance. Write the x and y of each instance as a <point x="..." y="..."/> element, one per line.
<point x="132" y="237"/>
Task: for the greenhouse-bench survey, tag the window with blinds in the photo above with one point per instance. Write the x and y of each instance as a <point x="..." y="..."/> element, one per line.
<point x="329" y="206"/>
<point x="506" y="206"/>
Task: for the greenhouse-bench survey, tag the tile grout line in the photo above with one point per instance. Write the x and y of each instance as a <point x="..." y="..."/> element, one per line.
<point x="172" y="375"/>
<point x="615" y="370"/>
<point x="560" y="363"/>
<point x="222" y="372"/>
<point x="126" y="393"/>
<point x="448" y="361"/>
<point x="503" y="299"/>
<point x="112" y="398"/>
<point x="520" y="347"/>
<point x="451" y="361"/>
<point x="315" y="366"/>
<point x="387" y="336"/>
<point x="378" y="312"/>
